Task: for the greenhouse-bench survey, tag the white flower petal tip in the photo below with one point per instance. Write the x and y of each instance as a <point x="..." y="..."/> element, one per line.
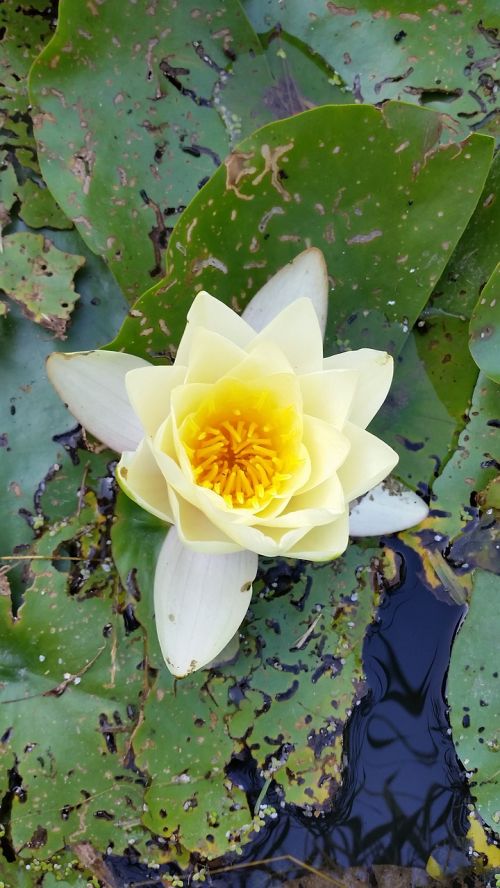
<point x="306" y="276"/>
<point x="92" y="385"/>
<point x="200" y="602"/>
<point x="387" y="508"/>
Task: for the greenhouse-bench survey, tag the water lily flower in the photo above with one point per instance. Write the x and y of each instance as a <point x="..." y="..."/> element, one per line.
<point x="251" y="443"/>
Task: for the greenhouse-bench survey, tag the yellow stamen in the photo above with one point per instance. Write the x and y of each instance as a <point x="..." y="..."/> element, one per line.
<point x="242" y="444"/>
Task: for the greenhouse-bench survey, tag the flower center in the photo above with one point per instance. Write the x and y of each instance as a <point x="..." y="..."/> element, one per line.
<point x="242" y="445"/>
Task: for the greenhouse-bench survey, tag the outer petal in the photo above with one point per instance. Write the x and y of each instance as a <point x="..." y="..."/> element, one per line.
<point x="148" y="389"/>
<point x="369" y="461"/>
<point x="387" y="508"/>
<point x="375" y="370"/>
<point x="140" y="478"/>
<point x="200" y="601"/>
<point x="307" y="276"/>
<point x="214" y="315"/>
<point x="297" y="333"/>
<point x="92" y="384"/>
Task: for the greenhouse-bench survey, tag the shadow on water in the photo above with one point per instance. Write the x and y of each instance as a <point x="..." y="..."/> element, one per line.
<point x="404" y="792"/>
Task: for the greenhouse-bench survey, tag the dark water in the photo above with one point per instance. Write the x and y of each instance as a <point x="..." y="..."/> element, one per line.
<point x="404" y="793"/>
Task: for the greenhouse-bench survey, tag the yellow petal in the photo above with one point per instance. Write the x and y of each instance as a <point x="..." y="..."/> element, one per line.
<point x="211" y="356"/>
<point x="213" y="315"/>
<point x="306" y="275"/>
<point x="318" y="506"/>
<point x="200" y="601"/>
<point x="323" y="543"/>
<point x="92" y="384"/>
<point x="140" y="478"/>
<point x="149" y="389"/>
<point x="369" y="461"/>
<point x="327" y="450"/>
<point x="297" y="333"/>
<point x="329" y="394"/>
<point x="375" y="370"/>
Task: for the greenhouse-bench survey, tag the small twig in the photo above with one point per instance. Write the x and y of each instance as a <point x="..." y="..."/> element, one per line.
<point x="63" y="685"/>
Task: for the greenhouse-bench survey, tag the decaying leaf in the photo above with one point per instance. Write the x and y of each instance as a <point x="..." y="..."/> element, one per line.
<point x="39" y="277"/>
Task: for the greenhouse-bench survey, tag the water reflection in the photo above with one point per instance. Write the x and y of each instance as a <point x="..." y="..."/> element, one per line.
<point x="404" y="792"/>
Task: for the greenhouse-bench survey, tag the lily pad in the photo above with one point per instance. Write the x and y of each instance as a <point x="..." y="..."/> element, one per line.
<point x="69" y="660"/>
<point x="442" y="56"/>
<point x="39" y="277"/>
<point x="473" y="695"/>
<point x="31" y="413"/>
<point x="473" y="261"/>
<point x="434" y="378"/>
<point x="315" y="179"/>
<point x="472" y="465"/>
<point x="8" y="188"/>
<point x="155" y="86"/>
<point x="485" y="328"/>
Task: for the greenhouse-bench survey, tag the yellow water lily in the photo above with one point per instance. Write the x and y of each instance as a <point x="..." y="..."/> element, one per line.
<point x="251" y="443"/>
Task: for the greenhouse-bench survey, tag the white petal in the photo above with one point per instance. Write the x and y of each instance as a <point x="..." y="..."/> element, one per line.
<point x="92" y="384"/>
<point x="375" y="376"/>
<point x="306" y="276"/>
<point x="200" y="601"/>
<point x="197" y="531"/>
<point x="388" y="508"/>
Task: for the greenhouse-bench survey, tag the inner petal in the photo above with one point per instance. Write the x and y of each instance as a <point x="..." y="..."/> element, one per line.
<point x="243" y="442"/>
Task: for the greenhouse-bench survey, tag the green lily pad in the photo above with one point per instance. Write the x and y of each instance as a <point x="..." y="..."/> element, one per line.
<point x="473" y="261"/>
<point x="485" y="328"/>
<point x="441" y="56"/>
<point x="155" y="86"/>
<point x="31" y="412"/>
<point x="434" y="378"/>
<point x="68" y="660"/>
<point x="39" y="277"/>
<point x="472" y="465"/>
<point x="8" y="188"/>
<point x="315" y="179"/>
<point x="473" y="695"/>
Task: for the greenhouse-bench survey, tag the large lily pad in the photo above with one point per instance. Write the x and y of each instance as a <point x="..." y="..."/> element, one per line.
<point x="475" y="257"/>
<point x="317" y="179"/>
<point x="154" y="85"/>
<point x="473" y="694"/>
<point x="434" y="379"/>
<point x="442" y="55"/>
